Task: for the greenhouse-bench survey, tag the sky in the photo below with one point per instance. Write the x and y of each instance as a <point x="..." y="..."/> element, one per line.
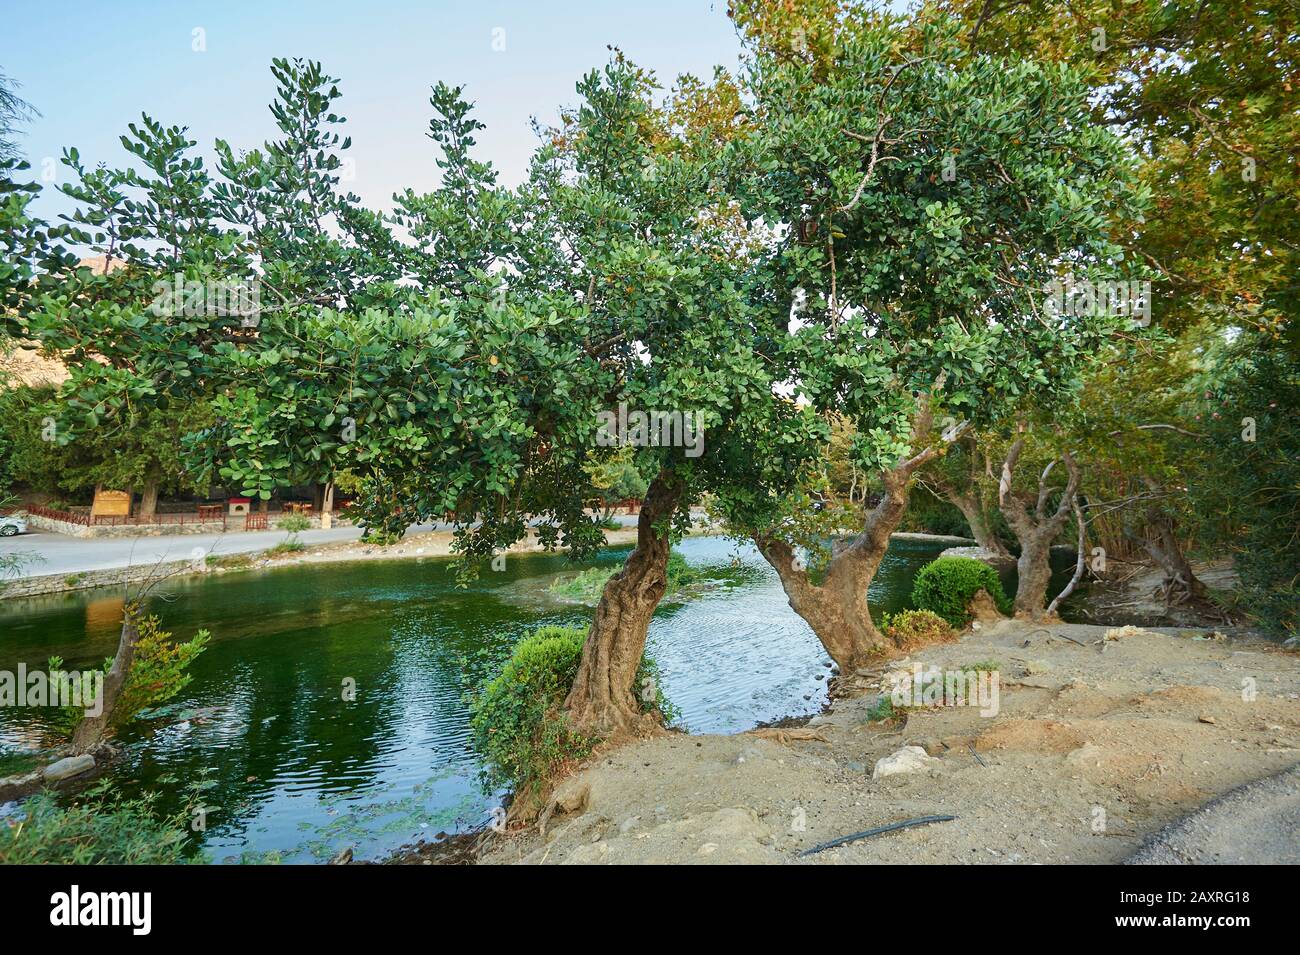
<point x="93" y="68"/>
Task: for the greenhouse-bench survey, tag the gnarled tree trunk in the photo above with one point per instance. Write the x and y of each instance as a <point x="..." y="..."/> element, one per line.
<point x="973" y="510"/>
<point x="836" y="609"/>
<point x="1035" y="529"/>
<point x="1160" y="541"/>
<point x="970" y="501"/>
<point x="91" y="730"/>
<point x="601" y="701"/>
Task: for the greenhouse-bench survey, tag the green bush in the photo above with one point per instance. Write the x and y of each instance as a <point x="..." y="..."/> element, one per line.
<point x="945" y="587"/>
<point x="288" y="546"/>
<point x="516" y="723"/>
<point x="1247" y="502"/>
<point x="293" y="523"/>
<point x="159" y="670"/>
<point x="916" y="628"/>
<point x="99" y="831"/>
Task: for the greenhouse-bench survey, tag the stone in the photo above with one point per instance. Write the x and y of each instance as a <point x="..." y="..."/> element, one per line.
<point x="909" y="759"/>
<point x="18" y="787"/>
<point x="932" y="746"/>
<point x="67" y="768"/>
<point x="572" y="795"/>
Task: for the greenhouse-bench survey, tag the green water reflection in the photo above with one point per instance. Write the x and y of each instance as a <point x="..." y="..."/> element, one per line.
<point x="298" y="773"/>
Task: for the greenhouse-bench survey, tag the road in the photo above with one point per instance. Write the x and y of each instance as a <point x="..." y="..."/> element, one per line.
<point x="1256" y="824"/>
<point x="60" y="554"/>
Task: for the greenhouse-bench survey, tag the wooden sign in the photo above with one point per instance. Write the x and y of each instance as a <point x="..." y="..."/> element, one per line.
<point x="111" y="503"/>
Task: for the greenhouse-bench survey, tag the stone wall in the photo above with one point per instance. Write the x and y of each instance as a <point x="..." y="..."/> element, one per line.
<point x="86" y="579"/>
<point x="129" y="530"/>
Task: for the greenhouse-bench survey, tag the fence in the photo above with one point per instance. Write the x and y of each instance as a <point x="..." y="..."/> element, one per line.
<point x="206" y="514"/>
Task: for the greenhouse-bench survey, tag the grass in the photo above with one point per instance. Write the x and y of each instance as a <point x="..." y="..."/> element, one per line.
<point x="586" y="586"/>
<point x="230" y="561"/>
<point x="884" y="710"/>
<point x="286" y="547"/>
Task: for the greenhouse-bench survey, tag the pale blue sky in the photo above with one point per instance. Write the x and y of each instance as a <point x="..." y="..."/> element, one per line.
<point x="92" y="68"/>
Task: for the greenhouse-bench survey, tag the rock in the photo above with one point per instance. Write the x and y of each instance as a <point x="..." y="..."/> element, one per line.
<point x="1033" y="667"/>
<point x="983" y="609"/>
<point x="931" y="745"/>
<point x="979" y="553"/>
<point x="572" y="795"/>
<point x="343" y="858"/>
<point x="68" y="767"/>
<point x="1206" y="718"/>
<point x="1119" y="633"/>
<point x="18" y="787"/>
<point x="909" y="759"/>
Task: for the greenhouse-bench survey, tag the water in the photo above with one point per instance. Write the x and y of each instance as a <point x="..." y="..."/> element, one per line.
<point x="295" y="773"/>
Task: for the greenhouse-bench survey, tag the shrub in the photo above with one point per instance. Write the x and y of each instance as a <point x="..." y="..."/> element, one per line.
<point x="293" y="523"/>
<point x="158" y="673"/>
<point x="516" y="723"/>
<point x="946" y="586"/>
<point x="883" y="709"/>
<point x="916" y="628"/>
<point x="100" y="831"/>
<point x="230" y="561"/>
<point x="288" y="546"/>
<point x="680" y="573"/>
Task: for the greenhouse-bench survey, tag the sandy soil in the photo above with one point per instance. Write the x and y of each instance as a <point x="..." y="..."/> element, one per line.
<point x="1098" y="744"/>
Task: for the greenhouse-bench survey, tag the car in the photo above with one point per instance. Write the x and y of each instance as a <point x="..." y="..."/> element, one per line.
<point x="11" y="525"/>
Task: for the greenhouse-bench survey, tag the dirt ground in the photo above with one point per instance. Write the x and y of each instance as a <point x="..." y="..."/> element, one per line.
<point x="1132" y="596"/>
<point x="1097" y="745"/>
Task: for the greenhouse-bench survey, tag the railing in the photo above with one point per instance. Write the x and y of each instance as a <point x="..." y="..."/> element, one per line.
<point x="206" y="514"/>
<point x="180" y="517"/>
<point x="68" y="517"/>
<point x="255" y="522"/>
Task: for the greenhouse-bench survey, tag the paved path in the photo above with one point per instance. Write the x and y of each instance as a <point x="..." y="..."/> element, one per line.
<point x="60" y="554"/>
<point x="1255" y="824"/>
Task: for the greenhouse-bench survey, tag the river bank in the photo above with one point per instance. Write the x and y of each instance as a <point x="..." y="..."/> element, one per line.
<point x="216" y="556"/>
<point x="1097" y="745"/>
<point x="213" y="560"/>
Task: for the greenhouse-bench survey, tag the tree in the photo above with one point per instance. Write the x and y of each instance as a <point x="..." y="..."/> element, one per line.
<point x="1209" y="93"/>
<point x="14" y="111"/>
<point x="923" y="211"/>
<point x="960" y="478"/>
<point x="1248" y="501"/>
<point x="1037" y="521"/>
